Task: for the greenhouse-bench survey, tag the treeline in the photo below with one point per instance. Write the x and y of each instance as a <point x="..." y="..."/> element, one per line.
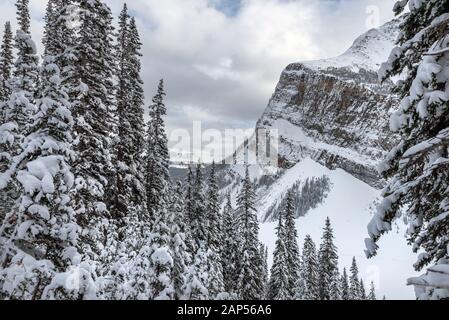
<point x="314" y="274"/>
<point x="306" y="196"/>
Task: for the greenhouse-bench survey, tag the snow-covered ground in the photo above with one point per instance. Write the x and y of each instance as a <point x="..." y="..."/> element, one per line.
<point x="348" y="205"/>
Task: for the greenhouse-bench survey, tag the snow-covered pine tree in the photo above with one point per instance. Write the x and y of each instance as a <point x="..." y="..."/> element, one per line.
<point x="354" y="284"/>
<point x="335" y="290"/>
<point x="61" y="44"/>
<point x="188" y="196"/>
<point x="23" y="15"/>
<point x="137" y="273"/>
<point x="291" y="245"/>
<point x="63" y="11"/>
<point x="328" y="261"/>
<point x="188" y="209"/>
<point x="17" y="113"/>
<point x="92" y="111"/>
<point x="49" y="44"/>
<point x="248" y="270"/>
<point x="6" y="64"/>
<point x="310" y="270"/>
<point x="230" y="246"/>
<point x="362" y="290"/>
<point x="198" y="223"/>
<point x="265" y="272"/>
<point x="344" y="284"/>
<point x="197" y="277"/>
<point x="214" y="219"/>
<point x="161" y="260"/>
<point x="157" y="157"/>
<point x="417" y="167"/>
<point x="278" y="288"/>
<point x="137" y="111"/>
<point x="49" y="18"/>
<point x="129" y="192"/>
<point x="372" y="292"/>
<point x="300" y="286"/>
<point x="128" y="201"/>
<point x="181" y="257"/>
<point x="119" y="193"/>
<point x="43" y="261"/>
<point x="214" y="236"/>
<point x="26" y="66"/>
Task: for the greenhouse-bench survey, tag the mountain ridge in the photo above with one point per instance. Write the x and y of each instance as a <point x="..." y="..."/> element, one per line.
<point x="337" y="115"/>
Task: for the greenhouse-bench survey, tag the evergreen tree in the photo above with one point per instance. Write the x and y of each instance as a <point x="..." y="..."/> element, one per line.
<point x="68" y="61"/>
<point x="197" y="277"/>
<point x="230" y="246"/>
<point x="214" y="236"/>
<point x="214" y="218"/>
<point x="59" y="41"/>
<point x="6" y="64"/>
<point x="279" y="282"/>
<point x="310" y="271"/>
<point x="354" y="284"/>
<point x="44" y="254"/>
<point x="181" y="258"/>
<point x="161" y="260"/>
<point x="137" y="112"/>
<point x="344" y="282"/>
<point x="188" y="209"/>
<point x="300" y="286"/>
<point x="140" y="274"/>
<point x="188" y="195"/>
<point x="18" y="112"/>
<point x="50" y="17"/>
<point x="249" y="282"/>
<point x="335" y="289"/>
<point x="417" y="166"/>
<point x="92" y="110"/>
<point x="198" y="222"/>
<point x="265" y="272"/>
<point x="291" y="245"/>
<point x="129" y="192"/>
<point x="157" y="158"/>
<point x="23" y="15"/>
<point x="328" y="261"/>
<point x="362" y="290"/>
<point x="372" y="292"/>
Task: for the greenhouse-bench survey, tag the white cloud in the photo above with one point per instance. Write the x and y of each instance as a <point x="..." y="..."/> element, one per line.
<point x="226" y="66"/>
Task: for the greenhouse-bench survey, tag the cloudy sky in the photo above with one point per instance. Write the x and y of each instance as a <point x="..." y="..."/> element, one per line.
<point x="221" y="59"/>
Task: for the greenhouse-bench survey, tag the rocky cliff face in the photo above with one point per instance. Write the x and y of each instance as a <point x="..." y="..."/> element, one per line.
<point x="331" y="116"/>
<point x="335" y="111"/>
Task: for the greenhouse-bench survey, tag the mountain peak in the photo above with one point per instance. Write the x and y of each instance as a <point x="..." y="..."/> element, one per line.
<point x="367" y="52"/>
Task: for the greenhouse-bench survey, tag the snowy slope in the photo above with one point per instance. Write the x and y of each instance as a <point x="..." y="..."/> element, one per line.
<point x="348" y="206"/>
<point x="367" y="52"/>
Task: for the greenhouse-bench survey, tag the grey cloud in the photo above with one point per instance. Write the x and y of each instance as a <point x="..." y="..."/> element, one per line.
<point x="222" y="68"/>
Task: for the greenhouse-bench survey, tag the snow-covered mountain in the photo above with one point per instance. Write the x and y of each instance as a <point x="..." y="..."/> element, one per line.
<point x="332" y="118"/>
<point x="335" y="110"/>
